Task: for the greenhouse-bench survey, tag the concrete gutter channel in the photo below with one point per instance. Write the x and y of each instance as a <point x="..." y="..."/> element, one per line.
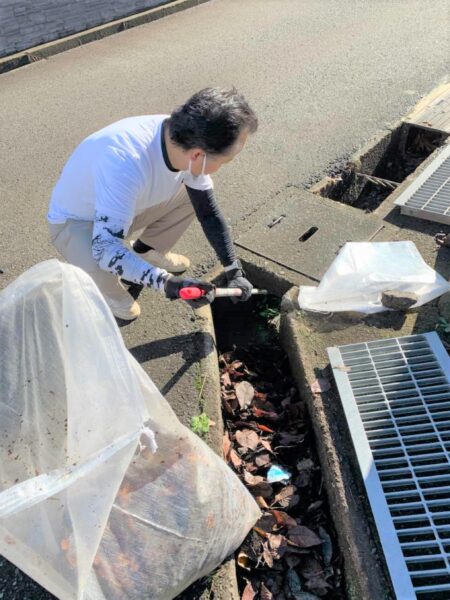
<point x="305" y="338"/>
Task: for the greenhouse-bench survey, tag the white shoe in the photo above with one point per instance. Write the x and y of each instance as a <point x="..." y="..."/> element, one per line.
<point x="171" y="262"/>
<point x="126" y="312"/>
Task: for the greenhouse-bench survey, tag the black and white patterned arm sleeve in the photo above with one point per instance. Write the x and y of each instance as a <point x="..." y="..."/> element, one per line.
<point x="113" y="256"/>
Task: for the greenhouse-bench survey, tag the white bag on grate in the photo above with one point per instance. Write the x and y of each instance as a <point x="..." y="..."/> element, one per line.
<point x="89" y="507"/>
<point x="362" y="271"/>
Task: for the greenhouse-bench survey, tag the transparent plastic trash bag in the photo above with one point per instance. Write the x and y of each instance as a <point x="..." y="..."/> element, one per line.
<point x="104" y="495"/>
<point x="362" y="271"/>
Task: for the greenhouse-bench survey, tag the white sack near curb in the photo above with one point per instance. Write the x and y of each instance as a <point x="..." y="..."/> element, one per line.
<point x="363" y="270"/>
<point x="104" y="494"/>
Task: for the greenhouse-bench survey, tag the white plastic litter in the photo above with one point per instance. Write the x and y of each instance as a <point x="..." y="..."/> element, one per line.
<point x="104" y="495"/>
<point x="361" y="272"/>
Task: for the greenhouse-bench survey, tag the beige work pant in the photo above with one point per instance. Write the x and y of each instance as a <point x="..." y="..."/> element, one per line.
<point x="159" y="226"/>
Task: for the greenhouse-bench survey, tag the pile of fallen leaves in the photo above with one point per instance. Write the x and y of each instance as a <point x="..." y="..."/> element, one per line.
<point x="290" y="553"/>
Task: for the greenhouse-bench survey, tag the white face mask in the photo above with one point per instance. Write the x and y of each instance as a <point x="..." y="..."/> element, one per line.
<point x="203" y="167"/>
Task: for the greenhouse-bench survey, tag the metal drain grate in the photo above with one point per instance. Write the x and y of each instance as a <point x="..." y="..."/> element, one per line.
<point x="396" y="398"/>
<point x="428" y="197"/>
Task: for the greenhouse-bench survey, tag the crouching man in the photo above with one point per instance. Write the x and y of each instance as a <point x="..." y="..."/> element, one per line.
<point x="146" y="178"/>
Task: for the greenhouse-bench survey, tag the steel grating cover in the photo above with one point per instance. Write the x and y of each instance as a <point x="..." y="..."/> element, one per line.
<point x="428" y="196"/>
<point x="396" y="398"/>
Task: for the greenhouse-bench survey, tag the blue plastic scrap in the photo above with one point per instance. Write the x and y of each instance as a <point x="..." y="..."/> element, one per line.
<point x="277" y="474"/>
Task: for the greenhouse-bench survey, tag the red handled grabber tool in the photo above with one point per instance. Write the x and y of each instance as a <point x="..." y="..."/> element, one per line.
<point x="194" y="293"/>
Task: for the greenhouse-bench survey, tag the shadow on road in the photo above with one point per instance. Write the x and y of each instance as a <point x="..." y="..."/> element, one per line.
<point x="193" y="347"/>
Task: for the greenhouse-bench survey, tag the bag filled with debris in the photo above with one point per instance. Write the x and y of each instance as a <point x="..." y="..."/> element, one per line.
<point x="104" y="495"/>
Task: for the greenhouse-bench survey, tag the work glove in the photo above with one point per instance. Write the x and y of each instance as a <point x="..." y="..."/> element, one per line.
<point x="442" y="239"/>
<point x="174" y="284"/>
<point x="236" y="279"/>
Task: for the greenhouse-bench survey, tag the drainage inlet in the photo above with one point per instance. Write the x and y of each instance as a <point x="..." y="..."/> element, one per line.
<point x="383" y="167"/>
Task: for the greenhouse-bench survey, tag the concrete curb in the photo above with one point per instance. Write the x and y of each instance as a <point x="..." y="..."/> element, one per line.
<point x="364" y="574"/>
<point x="25" y="57"/>
<point x="224" y="581"/>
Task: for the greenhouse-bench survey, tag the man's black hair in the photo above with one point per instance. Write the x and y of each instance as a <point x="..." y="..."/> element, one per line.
<point x="212" y="120"/>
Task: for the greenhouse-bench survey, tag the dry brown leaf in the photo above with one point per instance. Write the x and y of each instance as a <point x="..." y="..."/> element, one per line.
<point x="318" y="585"/>
<point x="247" y="439"/>
<point x="304" y="479"/>
<point x="227" y="407"/>
<point x="245" y="394"/>
<point x="311" y="567"/>
<point x="289" y="439"/>
<point x="283" y="519"/>
<point x="265" y="593"/>
<point x="327" y="546"/>
<point x="226" y="445"/>
<point x="262" y="402"/>
<point x="224" y="360"/>
<point x="260" y="531"/>
<point x="225" y="378"/>
<point x="292" y="585"/>
<point x="263" y="489"/>
<point x="266" y="523"/>
<point x="267" y="555"/>
<point x="258" y="412"/>
<point x="320" y="385"/>
<point x="315" y="506"/>
<point x="250" y="467"/>
<point x="278" y="545"/>
<point x="252" y="479"/>
<point x="262" y="460"/>
<point x="304" y="537"/>
<point x="264" y="428"/>
<point x="267" y="445"/>
<point x="261" y="502"/>
<point x="292" y="560"/>
<point x="249" y="593"/>
<point x="235" y="459"/>
<point x="287" y="498"/>
<point x="243" y="560"/>
<point x="229" y="394"/>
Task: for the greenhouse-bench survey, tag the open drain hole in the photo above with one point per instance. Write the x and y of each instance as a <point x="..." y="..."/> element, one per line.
<point x="373" y="175"/>
<point x="308" y="234"/>
<point x="267" y="428"/>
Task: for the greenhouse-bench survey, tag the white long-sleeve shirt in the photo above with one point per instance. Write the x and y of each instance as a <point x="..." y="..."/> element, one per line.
<point x="112" y="176"/>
